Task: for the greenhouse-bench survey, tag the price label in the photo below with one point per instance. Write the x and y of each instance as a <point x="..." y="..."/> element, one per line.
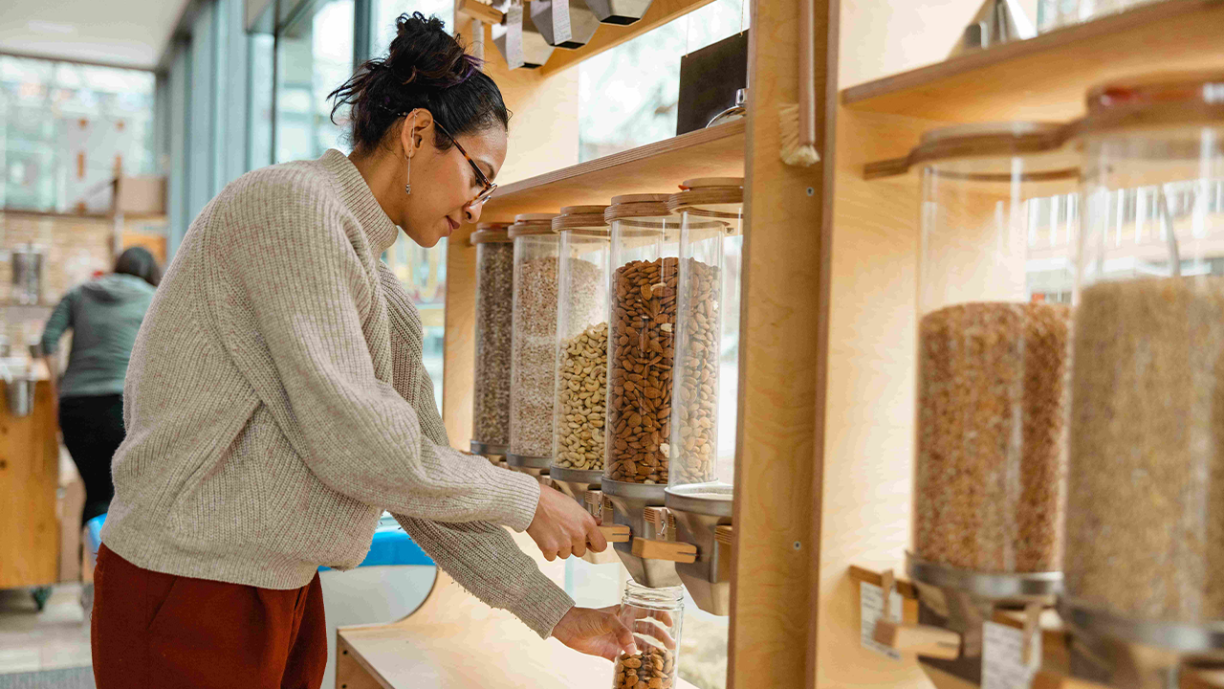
<point x="514" y="36"/>
<point x="871" y="610"/>
<point x="1003" y="665"/>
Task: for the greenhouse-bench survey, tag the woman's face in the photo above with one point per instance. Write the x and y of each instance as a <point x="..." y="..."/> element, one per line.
<point x="444" y="185"/>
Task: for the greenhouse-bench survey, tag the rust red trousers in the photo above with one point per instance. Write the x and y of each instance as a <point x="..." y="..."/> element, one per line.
<point x="159" y="630"/>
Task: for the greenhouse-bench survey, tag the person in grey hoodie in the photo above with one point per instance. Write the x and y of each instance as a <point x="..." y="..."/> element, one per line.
<point x="105" y="315"/>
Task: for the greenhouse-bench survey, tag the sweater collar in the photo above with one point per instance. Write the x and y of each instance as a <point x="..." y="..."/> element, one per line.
<point x="358" y="198"/>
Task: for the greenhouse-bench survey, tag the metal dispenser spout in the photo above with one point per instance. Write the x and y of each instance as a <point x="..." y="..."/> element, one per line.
<point x="703" y="518"/>
<point x="644" y="554"/>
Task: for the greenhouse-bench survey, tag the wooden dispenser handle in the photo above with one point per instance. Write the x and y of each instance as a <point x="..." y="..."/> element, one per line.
<point x="665" y="550"/>
<point x="922" y="639"/>
<point x="616" y="533"/>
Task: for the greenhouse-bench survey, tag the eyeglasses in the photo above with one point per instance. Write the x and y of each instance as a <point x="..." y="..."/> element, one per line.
<point x="487" y="187"/>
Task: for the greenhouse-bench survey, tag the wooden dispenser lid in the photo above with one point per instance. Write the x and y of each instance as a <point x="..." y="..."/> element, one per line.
<point x="584" y="220"/>
<point x="1155" y="100"/>
<point x="637" y="206"/>
<point x="716" y="197"/>
<point x="490" y="233"/>
<point x="526" y="224"/>
<point x="1002" y="140"/>
<point x="988" y="140"/>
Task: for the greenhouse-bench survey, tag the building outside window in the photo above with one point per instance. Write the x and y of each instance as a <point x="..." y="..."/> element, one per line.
<point x="314" y="56"/>
<point x="65" y="127"/>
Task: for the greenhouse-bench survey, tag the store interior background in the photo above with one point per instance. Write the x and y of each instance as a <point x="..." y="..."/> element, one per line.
<point x="194" y="93"/>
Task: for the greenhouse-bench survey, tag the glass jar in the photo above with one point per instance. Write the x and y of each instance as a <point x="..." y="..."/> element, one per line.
<point x="995" y="281"/>
<point x="707" y="311"/>
<point x="1145" y="521"/>
<point x="644" y="263"/>
<point x="582" y="339"/>
<point x="494" y="295"/>
<point x="656" y="616"/>
<point x="533" y="357"/>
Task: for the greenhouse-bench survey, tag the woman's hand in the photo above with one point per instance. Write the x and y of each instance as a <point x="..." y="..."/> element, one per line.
<point x="605" y="632"/>
<point x="595" y="632"/>
<point x="562" y="528"/>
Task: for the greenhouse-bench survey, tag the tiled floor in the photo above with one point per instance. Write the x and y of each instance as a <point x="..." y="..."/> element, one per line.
<point x="58" y="637"/>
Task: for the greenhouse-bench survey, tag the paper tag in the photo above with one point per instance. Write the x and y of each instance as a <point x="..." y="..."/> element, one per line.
<point x="514" y="36"/>
<point x="561" y="22"/>
<point x="871" y="609"/>
<point x="1003" y="665"/>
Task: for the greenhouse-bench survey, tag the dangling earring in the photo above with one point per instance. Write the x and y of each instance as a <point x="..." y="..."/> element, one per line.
<point x="408" y="171"/>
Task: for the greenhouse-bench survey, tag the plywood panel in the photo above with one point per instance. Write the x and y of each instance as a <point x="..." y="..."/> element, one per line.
<point x="29" y="477"/>
<point x="868" y="442"/>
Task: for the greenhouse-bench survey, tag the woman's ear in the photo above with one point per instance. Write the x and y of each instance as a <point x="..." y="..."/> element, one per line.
<point x="412" y="133"/>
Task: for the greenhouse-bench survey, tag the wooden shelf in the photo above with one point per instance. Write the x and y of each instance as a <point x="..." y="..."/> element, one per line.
<point x="658" y="167"/>
<point x="1046" y="78"/>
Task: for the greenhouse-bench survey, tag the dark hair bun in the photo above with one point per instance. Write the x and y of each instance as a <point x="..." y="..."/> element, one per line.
<point x="426" y="68"/>
<point x="423" y="53"/>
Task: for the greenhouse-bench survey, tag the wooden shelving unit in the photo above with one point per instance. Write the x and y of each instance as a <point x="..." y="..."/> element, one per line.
<point x="714" y="152"/>
<point x="1045" y="78"/>
<point x="827" y="367"/>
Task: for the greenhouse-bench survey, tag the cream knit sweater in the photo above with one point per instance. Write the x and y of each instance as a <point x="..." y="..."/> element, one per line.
<point x="276" y="403"/>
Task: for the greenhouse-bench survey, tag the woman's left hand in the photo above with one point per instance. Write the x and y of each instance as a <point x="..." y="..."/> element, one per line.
<point x="595" y="632"/>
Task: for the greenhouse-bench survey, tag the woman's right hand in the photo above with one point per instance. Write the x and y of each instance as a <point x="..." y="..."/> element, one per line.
<point x="562" y="528"/>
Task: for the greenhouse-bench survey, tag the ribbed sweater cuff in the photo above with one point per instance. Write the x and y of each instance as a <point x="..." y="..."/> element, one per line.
<point x="525" y="498"/>
<point x="543" y="604"/>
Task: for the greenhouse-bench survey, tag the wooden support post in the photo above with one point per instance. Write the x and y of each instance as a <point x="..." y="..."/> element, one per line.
<point x="783" y="348"/>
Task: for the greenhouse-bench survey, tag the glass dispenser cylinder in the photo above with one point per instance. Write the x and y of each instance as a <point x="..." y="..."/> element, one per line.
<point x="641" y="351"/>
<point x="533" y="357"/>
<point x="644" y="267"/>
<point x="580" y="407"/>
<point x="994" y="280"/>
<point x="494" y="294"/>
<point x="704" y="397"/>
<point x="1145" y="521"/>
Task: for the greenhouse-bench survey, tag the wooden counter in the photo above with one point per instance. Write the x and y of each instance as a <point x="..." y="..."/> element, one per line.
<point x="29" y="476"/>
<point x="453" y="641"/>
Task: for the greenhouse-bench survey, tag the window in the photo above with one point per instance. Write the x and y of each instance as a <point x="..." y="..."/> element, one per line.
<point x="65" y="126"/>
<point x="384" y="12"/>
<point x="627" y="95"/>
<point x="423" y="274"/>
<point x="314" y="56"/>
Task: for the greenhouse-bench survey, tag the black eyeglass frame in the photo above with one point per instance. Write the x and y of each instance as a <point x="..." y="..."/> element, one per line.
<point x="488" y="187"/>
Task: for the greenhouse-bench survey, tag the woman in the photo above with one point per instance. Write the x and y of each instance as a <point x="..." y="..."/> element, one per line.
<point x="277" y="404"/>
<point x="104" y="316"/>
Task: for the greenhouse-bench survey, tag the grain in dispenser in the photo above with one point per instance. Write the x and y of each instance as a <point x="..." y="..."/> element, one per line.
<point x="699" y="494"/>
<point x="533" y="348"/>
<point x="995" y="280"/>
<point x="580" y="408"/>
<point x="494" y="294"/>
<point x="1145" y="519"/>
<point x="644" y="263"/>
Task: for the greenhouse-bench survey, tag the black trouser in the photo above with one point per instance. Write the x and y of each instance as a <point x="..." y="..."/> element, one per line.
<point x="93" y="430"/>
